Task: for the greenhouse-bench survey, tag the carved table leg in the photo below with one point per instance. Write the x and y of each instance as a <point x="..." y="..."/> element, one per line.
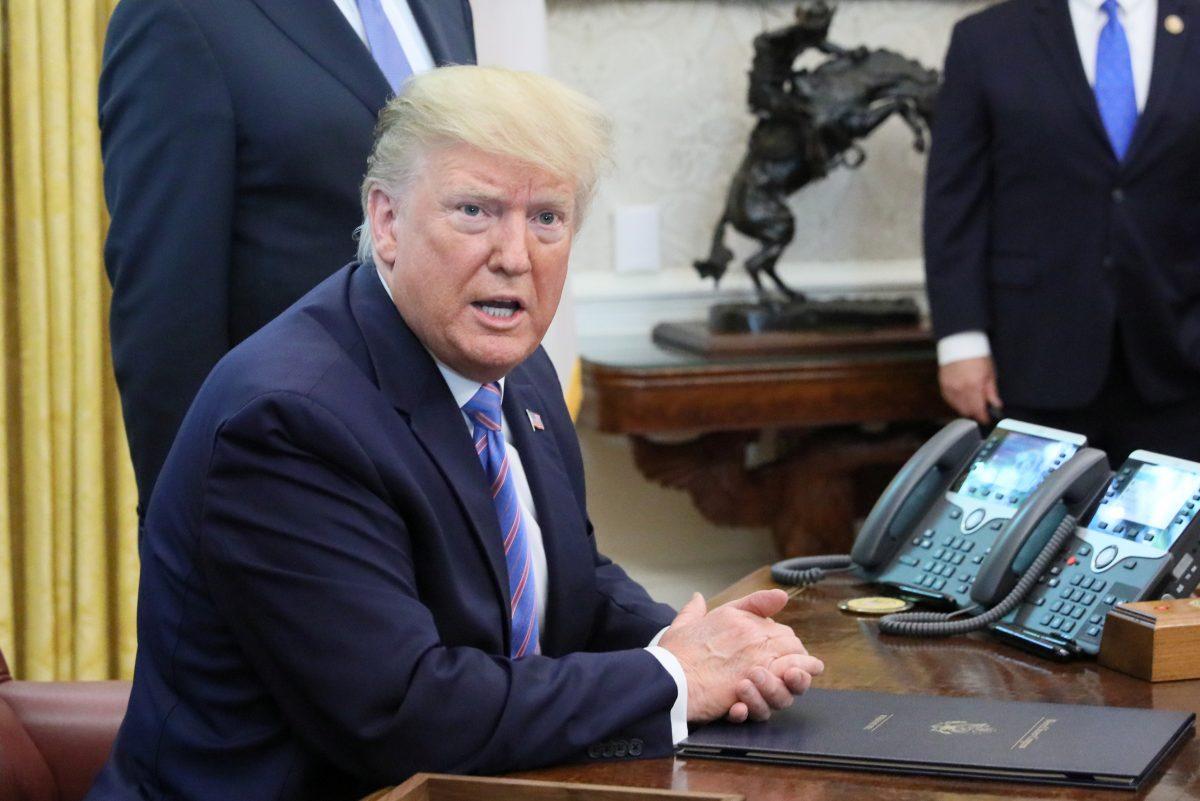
<point x="809" y="496"/>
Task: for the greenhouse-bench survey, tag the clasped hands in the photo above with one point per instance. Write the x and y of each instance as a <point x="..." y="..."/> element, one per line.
<point x="739" y="663"/>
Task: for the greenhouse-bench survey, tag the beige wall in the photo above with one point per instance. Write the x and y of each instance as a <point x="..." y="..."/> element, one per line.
<point x="656" y="534"/>
<point x="673" y="75"/>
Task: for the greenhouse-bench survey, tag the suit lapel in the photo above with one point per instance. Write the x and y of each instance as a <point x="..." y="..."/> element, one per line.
<point x="321" y="31"/>
<point x="1168" y="52"/>
<point x="558" y="509"/>
<point x="446" y="45"/>
<point x="409" y="379"/>
<point x="1052" y="21"/>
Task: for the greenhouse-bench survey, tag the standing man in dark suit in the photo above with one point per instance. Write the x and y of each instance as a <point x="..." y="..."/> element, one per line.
<point x="234" y="134"/>
<point x="369" y="553"/>
<point x="1062" y="219"/>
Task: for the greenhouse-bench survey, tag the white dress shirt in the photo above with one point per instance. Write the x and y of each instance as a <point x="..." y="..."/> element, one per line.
<point x="403" y="23"/>
<point x="1139" y="18"/>
<point x="463" y="389"/>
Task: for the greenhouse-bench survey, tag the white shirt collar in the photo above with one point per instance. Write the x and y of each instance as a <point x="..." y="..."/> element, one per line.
<point x="461" y="387"/>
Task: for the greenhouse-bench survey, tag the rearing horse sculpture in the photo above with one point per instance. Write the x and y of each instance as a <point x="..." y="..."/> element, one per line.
<point x="809" y="123"/>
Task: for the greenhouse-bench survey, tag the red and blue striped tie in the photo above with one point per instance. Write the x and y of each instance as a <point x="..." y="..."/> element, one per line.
<point x="484" y="411"/>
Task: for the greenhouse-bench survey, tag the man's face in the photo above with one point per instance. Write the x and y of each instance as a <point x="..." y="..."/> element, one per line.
<point x="475" y="253"/>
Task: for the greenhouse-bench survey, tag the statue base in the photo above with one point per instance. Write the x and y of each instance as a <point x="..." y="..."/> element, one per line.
<point x="696" y="338"/>
<point x="813" y="316"/>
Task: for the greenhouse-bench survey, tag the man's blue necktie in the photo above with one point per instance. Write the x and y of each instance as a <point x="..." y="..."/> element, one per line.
<point x="1114" y="82"/>
<point x="484" y="411"/>
<point x="385" y="47"/>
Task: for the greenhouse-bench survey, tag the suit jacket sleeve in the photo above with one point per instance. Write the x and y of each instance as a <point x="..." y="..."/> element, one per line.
<point x="957" y="191"/>
<point x="167" y="136"/>
<point x="319" y="589"/>
<point x="626" y="616"/>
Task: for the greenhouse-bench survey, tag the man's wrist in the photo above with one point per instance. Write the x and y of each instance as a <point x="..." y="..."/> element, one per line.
<point x="961" y="346"/>
<point x="679" y="728"/>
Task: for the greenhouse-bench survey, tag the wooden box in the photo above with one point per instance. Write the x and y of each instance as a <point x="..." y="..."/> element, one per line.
<point x="1154" y="640"/>
<point x="439" y="787"/>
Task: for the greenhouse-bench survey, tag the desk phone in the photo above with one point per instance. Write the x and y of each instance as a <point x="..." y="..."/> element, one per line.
<point x="938" y="561"/>
<point x="1141" y="540"/>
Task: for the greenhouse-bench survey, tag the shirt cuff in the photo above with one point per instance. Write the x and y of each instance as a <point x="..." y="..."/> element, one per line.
<point x="964" y="345"/>
<point x="679" y="727"/>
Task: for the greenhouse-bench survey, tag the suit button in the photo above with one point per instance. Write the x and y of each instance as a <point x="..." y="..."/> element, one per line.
<point x="594" y="751"/>
<point x="609" y="749"/>
<point x="622" y="748"/>
<point x="1118" y="195"/>
<point x="635" y="747"/>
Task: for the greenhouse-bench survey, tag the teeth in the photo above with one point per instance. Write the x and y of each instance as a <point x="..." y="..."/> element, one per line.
<point x="497" y="311"/>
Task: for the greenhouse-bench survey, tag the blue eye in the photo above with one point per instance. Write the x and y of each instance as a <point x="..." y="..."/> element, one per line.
<point x="547" y="218"/>
<point x="471" y="210"/>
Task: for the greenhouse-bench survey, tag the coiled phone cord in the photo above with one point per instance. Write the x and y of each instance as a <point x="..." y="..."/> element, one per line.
<point x="804" y="570"/>
<point x="945" y="624"/>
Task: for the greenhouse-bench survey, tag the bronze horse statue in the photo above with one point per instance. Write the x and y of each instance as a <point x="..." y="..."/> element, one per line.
<point x="809" y="123"/>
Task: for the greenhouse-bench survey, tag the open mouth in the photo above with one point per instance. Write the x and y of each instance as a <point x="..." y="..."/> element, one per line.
<point x="500" y="309"/>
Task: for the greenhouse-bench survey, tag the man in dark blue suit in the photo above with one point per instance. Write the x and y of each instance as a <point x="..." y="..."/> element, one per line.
<point x="1062" y="219"/>
<point x="369" y="552"/>
<point x="234" y="135"/>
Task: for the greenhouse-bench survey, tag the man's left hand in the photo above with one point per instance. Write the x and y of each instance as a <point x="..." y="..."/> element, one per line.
<point x="767" y="690"/>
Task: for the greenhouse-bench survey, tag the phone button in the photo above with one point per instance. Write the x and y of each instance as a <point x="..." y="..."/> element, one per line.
<point x="1106" y="556"/>
<point x="973" y="520"/>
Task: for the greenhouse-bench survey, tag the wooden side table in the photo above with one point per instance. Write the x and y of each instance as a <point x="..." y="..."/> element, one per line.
<point x="802" y="443"/>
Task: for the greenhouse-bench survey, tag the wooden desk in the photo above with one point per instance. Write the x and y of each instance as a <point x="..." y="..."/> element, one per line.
<point x="773" y="440"/>
<point x="857" y="657"/>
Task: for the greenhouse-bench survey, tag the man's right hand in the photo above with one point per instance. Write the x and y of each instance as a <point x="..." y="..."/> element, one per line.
<point x="969" y="386"/>
<point x="737" y="661"/>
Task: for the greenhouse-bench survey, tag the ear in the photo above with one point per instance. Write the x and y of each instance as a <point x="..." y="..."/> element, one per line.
<point x="382" y="211"/>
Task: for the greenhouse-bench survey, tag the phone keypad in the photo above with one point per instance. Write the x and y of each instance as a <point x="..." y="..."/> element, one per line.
<point x="1072" y="601"/>
<point x="944" y="562"/>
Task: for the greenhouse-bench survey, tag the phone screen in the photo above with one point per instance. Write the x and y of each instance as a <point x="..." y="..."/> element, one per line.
<point x="1150" y="503"/>
<point x="1011" y="465"/>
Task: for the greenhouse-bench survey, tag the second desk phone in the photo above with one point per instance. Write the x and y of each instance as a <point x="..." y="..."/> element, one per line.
<point x="1139" y="539"/>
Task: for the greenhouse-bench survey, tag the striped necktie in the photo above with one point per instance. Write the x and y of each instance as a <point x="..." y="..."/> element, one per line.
<point x="484" y="411"/>
<point x="1114" y="82"/>
<point x="385" y="47"/>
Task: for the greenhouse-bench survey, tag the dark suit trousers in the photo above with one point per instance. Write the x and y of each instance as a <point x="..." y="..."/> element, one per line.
<point x="1120" y="421"/>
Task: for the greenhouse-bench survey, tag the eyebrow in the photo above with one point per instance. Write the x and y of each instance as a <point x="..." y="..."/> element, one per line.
<point x="475" y="193"/>
<point x="558" y="200"/>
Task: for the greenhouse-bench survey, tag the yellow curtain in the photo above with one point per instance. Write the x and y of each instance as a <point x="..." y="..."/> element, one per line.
<point x="68" y="539"/>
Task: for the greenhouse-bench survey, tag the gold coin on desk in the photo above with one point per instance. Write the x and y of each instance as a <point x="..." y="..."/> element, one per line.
<point x="874" y="605"/>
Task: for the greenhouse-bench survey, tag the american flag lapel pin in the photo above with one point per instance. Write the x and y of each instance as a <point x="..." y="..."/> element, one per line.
<point x="535" y="420"/>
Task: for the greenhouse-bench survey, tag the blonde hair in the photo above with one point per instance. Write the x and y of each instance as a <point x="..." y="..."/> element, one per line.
<point x="521" y="115"/>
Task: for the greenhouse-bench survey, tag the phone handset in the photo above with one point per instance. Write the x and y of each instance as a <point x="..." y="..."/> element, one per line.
<point x="1043" y="525"/>
<point x="910" y="493"/>
<point x="1067" y="490"/>
<point x="906" y="498"/>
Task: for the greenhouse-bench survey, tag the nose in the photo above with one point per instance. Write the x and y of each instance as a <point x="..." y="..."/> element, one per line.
<point x="510" y="246"/>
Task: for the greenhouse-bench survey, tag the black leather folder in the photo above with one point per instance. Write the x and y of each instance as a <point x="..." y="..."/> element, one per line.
<point x="973" y="738"/>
